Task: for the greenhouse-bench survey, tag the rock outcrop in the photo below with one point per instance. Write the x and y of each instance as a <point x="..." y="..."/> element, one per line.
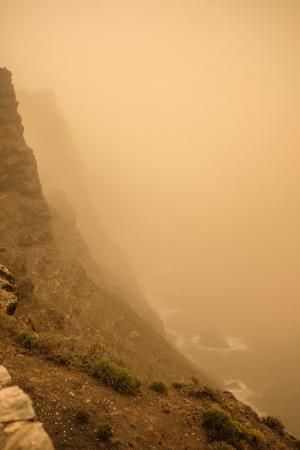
<point x="24" y="215"/>
<point x="18" y="428"/>
<point x="8" y="291"/>
<point x="15" y="171"/>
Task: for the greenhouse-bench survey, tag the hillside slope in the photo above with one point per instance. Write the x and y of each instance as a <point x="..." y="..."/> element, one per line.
<point x="75" y="408"/>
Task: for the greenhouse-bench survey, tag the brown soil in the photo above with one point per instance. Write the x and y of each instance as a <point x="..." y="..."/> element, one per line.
<point x="147" y="421"/>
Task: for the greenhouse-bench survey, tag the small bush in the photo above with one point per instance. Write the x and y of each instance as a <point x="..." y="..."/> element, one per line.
<point x="220" y="446"/>
<point x="220" y="426"/>
<point x="104" y="432"/>
<point x="254" y="437"/>
<point x="28" y="340"/>
<point x="159" y="386"/>
<point x="82" y="416"/>
<point x="116" y="377"/>
<point x="274" y="423"/>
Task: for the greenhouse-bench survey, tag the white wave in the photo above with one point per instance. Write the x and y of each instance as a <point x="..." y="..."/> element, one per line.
<point x="232" y="344"/>
<point x="244" y="394"/>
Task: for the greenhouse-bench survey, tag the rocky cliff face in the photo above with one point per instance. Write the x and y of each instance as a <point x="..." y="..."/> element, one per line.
<point x="58" y="295"/>
<point x="24" y="215"/>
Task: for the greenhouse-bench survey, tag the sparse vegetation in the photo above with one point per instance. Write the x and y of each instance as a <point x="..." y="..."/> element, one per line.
<point x="221" y="427"/>
<point x="159" y="386"/>
<point x="120" y="379"/>
<point x="82" y="416"/>
<point x="28" y="340"/>
<point x="274" y="423"/>
<point x="104" y="432"/>
<point x="254" y="437"/>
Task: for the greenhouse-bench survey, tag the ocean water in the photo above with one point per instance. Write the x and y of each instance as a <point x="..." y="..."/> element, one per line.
<point x="263" y="372"/>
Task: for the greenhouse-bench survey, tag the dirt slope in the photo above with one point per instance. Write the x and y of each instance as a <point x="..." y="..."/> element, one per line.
<point x="148" y="421"/>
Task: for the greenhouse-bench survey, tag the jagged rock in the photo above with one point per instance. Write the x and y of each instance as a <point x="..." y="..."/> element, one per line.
<point x="5" y="378"/>
<point x="17" y="431"/>
<point x="8" y="291"/>
<point x="30" y="436"/>
<point x="15" y="405"/>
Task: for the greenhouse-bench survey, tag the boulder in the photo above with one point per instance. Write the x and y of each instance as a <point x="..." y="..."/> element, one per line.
<point x="18" y="428"/>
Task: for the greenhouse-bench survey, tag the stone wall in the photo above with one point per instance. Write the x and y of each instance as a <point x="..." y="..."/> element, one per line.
<point x="18" y="428"/>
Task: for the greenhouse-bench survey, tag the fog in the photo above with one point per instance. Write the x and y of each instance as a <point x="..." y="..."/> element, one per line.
<point x="185" y="115"/>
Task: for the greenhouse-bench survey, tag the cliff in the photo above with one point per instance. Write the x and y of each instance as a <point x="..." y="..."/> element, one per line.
<point x="61" y="296"/>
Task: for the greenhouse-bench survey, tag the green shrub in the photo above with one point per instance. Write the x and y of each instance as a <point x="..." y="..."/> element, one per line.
<point x="104" y="432"/>
<point x="159" y="386"/>
<point x="274" y="423"/>
<point x="28" y="340"/>
<point x="121" y="380"/>
<point x="220" y="426"/>
<point x="254" y="437"/>
<point x="220" y="446"/>
<point x="82" y="416"/>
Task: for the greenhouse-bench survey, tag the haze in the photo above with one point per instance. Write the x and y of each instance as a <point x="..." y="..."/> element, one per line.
<point x="185" y="118"/>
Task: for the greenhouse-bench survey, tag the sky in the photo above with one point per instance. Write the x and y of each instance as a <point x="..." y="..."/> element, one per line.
<point x="185" y="117"/>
